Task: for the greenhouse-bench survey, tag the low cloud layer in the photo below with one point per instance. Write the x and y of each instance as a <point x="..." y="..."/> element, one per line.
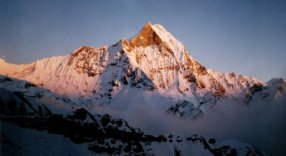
<point x="262" y="125"/>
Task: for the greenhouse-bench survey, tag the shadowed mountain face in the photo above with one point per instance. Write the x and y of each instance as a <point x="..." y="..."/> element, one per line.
<point x="150" y="81"/>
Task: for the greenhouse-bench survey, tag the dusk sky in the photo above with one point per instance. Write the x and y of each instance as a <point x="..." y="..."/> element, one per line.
<point x="243" y="36"/>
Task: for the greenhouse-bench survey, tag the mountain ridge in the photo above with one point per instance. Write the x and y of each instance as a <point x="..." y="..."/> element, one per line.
<point x="153" y="60"/>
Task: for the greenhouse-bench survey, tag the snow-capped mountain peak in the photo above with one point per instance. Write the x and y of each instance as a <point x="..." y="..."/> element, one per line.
<point x="155" y="35"/>
<point x="153" y="60"/>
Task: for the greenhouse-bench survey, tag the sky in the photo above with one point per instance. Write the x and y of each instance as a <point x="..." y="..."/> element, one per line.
<point x="243" y="36"/>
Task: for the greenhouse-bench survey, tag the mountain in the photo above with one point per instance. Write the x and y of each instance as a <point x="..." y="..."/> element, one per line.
<point x="149" y="81"/>
<point x="153" y="60"/>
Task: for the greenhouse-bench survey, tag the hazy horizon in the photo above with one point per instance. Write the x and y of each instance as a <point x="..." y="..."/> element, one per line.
<point x="246" y="37"/>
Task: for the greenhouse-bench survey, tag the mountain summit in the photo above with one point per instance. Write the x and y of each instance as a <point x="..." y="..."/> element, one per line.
<point x="146" y="37"/>
<point x="153" y="35"/>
